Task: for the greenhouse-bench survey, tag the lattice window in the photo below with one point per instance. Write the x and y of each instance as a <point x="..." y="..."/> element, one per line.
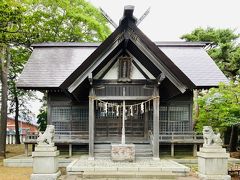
<point x="179" y="113"/>
<point x="79" y="119"/>
<point x="62" y="114"/>
<point x="67" y="118"/>
<point x="172" y="119"/>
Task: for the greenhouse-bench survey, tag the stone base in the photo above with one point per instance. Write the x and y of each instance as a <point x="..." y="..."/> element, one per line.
<point x="214" y="177"/>
<point x="213" y="163"/>
<point x="53" y="176"/>
<point x="123" y="152"/>
<point x="44" y="148"/>
<point x="45" y="160"/>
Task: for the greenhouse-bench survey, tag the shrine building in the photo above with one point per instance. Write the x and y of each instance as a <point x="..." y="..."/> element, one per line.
<point x="126" y="84"/>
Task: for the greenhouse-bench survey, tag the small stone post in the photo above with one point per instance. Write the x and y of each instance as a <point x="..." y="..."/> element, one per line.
<point x="212" y="158"/>
<point x="45" y="162"/>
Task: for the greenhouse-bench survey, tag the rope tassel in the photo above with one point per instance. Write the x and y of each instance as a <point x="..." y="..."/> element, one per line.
<point x="131" y="111"/>
<point x="142" y="108"/>
<point x="117" y="110"/>
<point x="105" y="108"/>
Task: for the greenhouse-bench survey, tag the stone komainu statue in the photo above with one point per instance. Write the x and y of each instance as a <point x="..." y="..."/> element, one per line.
<point x="210" y="138"/>
<point x="46" y="138"/>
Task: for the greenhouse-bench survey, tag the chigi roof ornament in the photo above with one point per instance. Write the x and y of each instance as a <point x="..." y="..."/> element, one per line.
<point x="128" y="13"/>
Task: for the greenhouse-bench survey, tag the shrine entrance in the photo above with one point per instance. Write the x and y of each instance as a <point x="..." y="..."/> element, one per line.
<point x="108" y="123"/>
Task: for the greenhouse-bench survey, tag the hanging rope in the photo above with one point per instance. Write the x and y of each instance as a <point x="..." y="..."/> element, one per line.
<point x="115" y="105"/>
<point x="130" y="110"/>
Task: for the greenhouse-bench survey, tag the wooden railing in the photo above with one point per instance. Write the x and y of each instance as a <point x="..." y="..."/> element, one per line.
<point x="11" y="138"/>
<point x="186" y="136"/>
<point x="61" y="136"/>
<point x="75" y="136"/>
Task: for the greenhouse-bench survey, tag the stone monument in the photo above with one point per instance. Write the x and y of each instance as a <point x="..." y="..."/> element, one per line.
<point x="45" y="161"/>
<point x="123" y="152"/>
<point x="212" y="158"/>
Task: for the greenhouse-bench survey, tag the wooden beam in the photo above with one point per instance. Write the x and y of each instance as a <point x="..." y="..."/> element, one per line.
<point x="91" y="124"/>
<point x="161" y="66"/>
<point x="121" y="98"/>
<point x="141" y="71"/>
<point x="93" y="66"/>
<point x="116" y="82"/>
<point x="106" y="68"/>
<point x="156" y="124"/>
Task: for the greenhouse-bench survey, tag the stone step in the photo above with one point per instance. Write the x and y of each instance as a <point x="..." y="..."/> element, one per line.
<point x="107" y="146"/>
<point x="107" y="154"/>
<point x="109" y="150"/>
<point x="128" y="175"/>
<point x="104" y="177"/>
<point x="141" y="168"/>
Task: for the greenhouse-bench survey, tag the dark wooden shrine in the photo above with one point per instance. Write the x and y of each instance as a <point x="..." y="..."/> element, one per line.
<point x="80" y="77"/>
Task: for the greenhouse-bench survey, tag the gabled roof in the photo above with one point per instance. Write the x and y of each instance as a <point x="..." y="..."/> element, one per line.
<point x="49" y="66"/>
<point x="128" y="33"/>
<point x="42" y="70"/>
<point x="60" y="65"/>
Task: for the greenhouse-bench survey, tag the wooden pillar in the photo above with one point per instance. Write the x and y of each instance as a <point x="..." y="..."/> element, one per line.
<point x="156" y="124"/>
<point x="91" y="124"/>
<point x="146" y="124"/>
<point x="26" y="150"/>
<point x="70" y="150"/>
<point x="172" y="149"/>
<point x="194" y="150"/>
<point x="33" y="147"/>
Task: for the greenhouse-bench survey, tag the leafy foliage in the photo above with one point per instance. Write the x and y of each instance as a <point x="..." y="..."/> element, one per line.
<point x="42" y="119"/>
<point x="220" y="107"/>
<point x="25" y="22"/>
<point x="64" y="20"/>
<point x="225" y="50"/>
<point x="11" y="21"/>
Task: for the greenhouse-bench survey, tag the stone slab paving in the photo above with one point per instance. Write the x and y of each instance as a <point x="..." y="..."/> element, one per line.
<point x="141" y="168"/>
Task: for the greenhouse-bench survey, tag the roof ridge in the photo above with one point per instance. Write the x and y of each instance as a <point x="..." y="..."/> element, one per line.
<point x="96" y="44"/>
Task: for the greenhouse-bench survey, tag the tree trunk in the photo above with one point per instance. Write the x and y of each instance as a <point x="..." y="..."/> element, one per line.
<point x="196" y="108"/>
<point x="4" y="77"/>
<point x="233" y="139"/>
<point x="16" y="120"/>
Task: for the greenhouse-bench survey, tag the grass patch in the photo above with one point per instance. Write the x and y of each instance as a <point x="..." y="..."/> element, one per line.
<point x="12" y="173"/>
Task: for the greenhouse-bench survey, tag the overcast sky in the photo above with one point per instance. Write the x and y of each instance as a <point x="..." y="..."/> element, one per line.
<point x="169" y="19"/>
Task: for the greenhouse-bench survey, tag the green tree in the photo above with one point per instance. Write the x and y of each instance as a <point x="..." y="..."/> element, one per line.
<point x="42" y="119"/>
<point x="225" y="50"/>
<point x="10" y="24"/>
<point x="18" y="99"/>
<point x="220" y="108"/>
<point x="33" y="21"/>
<point x="64" y="21"/>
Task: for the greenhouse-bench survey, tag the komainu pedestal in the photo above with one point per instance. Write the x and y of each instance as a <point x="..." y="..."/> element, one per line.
<point x="123" y="152"/>
<point x="45" y="161"/>
<point x="212" y="158"/>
